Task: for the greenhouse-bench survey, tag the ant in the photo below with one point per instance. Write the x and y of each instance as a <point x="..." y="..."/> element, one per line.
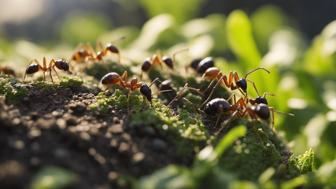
<point x="201" y="65"/>
<point x="218" y="106"/>
<point x="158" y="59"/>
<point x="35" y="66"/>
<point x="7" y="70"/>
<point x="114" y="78"/>
<point x="87" y="53"/>
<point x="231" y="81"/>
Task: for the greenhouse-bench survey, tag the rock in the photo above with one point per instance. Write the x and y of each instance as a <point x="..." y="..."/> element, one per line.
<point x="78" y="109"/>
<point x="116" y="129"/>
<point x="159" y="145"/>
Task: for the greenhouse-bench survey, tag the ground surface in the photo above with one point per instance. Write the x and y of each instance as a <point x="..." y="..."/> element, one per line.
<point x="101" y="144"/>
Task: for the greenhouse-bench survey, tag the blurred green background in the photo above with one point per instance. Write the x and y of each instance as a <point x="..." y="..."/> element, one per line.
<point x="296" y="40"/>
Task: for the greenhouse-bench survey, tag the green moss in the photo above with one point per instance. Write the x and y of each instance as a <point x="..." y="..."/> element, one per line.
<point x="118" y="100"/>
<point x="98" y="70"/>
<point x="71" y="82"/>
<point x="301" y="164"/>
<point x="253" y="154"/>
<point x="11" y="89"/>
<point x="44" y="86"/>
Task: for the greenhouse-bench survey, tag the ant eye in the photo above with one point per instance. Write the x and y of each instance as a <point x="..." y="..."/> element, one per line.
<point x="242" y="84"/>
<point x="168" y="61"/>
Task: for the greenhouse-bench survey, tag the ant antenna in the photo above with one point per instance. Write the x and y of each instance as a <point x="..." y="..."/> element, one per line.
<point x="256" y="69"/>
<point x="268" y="94"/>
<point x="119" y="39"/>
<point x="179" y="51"/>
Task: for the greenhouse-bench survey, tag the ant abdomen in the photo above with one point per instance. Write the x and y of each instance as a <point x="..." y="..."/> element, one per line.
<point x="204" y="64"/>
<point x="146" y="91"/>
<point x="62" y="65"/>
<point x="194" y="63"/>
<point x="146" y="65"/>
<point x="112" y="48"/>
<point x="110" y="78"/>
<point x="217" y="106"/>
<point x="33" y="68"/>
<point x="168" y="61"/>
<point x="262" y="111"/>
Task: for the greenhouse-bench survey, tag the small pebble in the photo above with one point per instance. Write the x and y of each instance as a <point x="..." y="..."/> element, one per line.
<point x="159" y="145"/>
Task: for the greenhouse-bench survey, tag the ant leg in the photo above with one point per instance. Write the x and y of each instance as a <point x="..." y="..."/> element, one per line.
<point x="24" y="77"/>
<point x="56" y="73"/>
<point x="155" y="80"/>
<point x="179" y="95"/>
<point x="212" y="91"/>
<point x="211" y="83"/>
<point x="226" y="122"/>
<point x="52" y="80"/>
<point x="254" y="86"/>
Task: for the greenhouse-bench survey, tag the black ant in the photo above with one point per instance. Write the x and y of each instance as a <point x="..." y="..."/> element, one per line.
<point x="7" y="70"/>
<point x="231" y="81"/>
<point x="158" y="59"/>
<point x="87" y="53"/>
<point x="114" y="78"/>
<point x="35" y="66"/>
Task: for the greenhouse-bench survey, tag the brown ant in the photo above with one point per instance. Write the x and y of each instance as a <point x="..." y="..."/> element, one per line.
<point x="158" y="59"/>
<point x="7" y="70"/>
<point x="231" y="81"/>
<point x="35" y="66"/>
<point x="114" y="78"/>
<point x="87" y="53"/>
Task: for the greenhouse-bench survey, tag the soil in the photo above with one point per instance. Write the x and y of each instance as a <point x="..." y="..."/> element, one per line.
<point x="56" y="128"/>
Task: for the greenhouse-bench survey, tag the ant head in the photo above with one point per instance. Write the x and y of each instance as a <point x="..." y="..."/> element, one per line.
<point x="146" y="91"/>
<point x="261" y="100"/>
<point x="262" y="111"/>
<point x="211" y="73"/>
<point x="205" y="64"/>
<point x="32" y="68"/>
<point x="168" y="61"/>
<point x="62" y="64"/>
<point x="194" y="63"/>
<point x="146" y="65"/>
<point x="241" y="83"/>
<point x="110" y="78"/>
<point x="112" y="48"/>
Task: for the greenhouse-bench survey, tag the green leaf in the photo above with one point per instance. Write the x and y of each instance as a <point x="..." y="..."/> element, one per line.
<point x="169" y="177"/>
<point x="52" y="178"/>
<point x="240" y="38"/>
<point x="181" y="10"/>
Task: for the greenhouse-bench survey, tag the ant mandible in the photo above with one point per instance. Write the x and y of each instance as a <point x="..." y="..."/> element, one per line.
<point x="35" y="66"/>
<point x="87" y="53"/>
<point x="231" y="81"/>
<point x="158" y="59"/>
